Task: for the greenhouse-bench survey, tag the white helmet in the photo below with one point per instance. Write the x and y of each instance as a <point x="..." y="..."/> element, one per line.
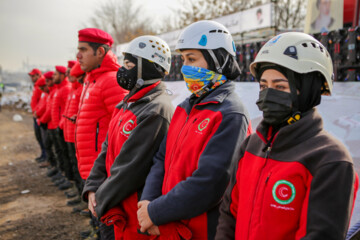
<point x="151" y="48"/>
<point x="206" y="35"/>
<point x="298" y="52"/>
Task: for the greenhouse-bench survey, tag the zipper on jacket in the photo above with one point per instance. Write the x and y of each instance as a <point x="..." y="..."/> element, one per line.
<point x="78" y="114"/>
<point x="267" y="152"/>
<point x="268" y="149"/>
<point x="96" y="137"/>
<point x="267" y="178"/>
<point x="172" y="153"/>
<point x="59" y="113"/>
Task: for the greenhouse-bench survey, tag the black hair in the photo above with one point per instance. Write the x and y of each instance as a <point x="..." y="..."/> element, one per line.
<point x="230" y="71"/>
<point x="95" y="47"/>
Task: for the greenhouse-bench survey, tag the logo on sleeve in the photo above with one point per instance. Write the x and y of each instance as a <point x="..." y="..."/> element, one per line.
<point x="203" y="124"/>
<point x="128" y="127"/>
<point x="283" y="192"/>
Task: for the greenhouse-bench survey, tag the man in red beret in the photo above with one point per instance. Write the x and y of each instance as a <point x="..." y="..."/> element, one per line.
<point x="100" y="95"/>
<point x="46" y="121"/>
<point x="39" y="112"/>
<point x="76" y="78"/>
<point x="57" y="110"/>
<point x="35" y="74"/>
<point x="71" y="63"/>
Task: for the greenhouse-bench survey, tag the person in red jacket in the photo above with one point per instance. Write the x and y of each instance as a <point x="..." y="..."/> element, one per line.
<point x="35" y="74"/>
<point x="293" y="180"/>
<point x="76" y="77"/>
<point x="137" y="127"/>
<point x="38" y="112"/>
<point x="100" y="94"/>
<point x="45" y="120"/>
<point x="57" y="111"/>
<point x="190" y="172"/>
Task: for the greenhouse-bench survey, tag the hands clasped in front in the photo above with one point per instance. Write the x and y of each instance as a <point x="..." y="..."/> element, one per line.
<point x="146" y="225"/>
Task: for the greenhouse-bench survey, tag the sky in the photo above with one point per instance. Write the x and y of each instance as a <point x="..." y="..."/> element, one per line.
<point x="44" y="32"/>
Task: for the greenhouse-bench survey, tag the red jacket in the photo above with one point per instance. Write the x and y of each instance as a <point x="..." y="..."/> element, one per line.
<point x="59" y="101"/>
<point x="35" y="98"/>
<point x="72" y="107"/>
<point x="46" y="117"/>
<point x="191" y="172"/>
<point x="301" y="185"/>
<point x="40" y="108"/>
<point x="100" y="94"/>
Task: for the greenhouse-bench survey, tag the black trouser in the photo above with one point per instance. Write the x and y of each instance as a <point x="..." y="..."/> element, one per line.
<point x="38" y="139"/>
<point x="73" y="161"/>
<point x="65" y="160"/>
<point x="48" y="144"/>
<point x="58" y="150"/>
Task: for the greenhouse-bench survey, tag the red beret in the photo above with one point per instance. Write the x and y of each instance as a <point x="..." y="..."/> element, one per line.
<point x="71" y="63"/>
<point x="95" y="35"/>
<point x="49" y="75"/>
<point x="40" y="82"/>
<point x="35" y="71"/>
<point x="76" y="70"/>
<point x="60" y="69"/>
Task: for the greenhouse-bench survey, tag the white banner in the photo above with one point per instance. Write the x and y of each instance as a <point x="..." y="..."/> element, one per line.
<point x="248" y="20"/>
<point x="244" y="21"/>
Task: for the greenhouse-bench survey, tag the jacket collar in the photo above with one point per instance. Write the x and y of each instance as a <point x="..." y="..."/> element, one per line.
<point x="146" y="94"/>
<point x="308" y="126"/>
<point x="108" y="64"/>
<point x="218" y="94"/>
<point x="63" y="83"/>
<point x="75" y="85"/>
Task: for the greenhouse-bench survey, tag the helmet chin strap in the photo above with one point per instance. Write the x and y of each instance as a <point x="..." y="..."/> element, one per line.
<point x="296" y="114"/>
<point x="219" y="70"/>
<point x="139" y="82"/>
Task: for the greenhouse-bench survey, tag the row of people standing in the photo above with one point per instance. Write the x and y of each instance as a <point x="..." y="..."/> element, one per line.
<point x="161" y="174"/>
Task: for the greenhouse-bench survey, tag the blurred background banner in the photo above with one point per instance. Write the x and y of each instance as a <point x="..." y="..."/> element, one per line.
<point x="324" y="16"/>
<point x="248" y="20"/>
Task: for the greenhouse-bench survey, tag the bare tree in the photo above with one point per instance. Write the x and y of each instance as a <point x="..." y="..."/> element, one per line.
<point x="121" y="19"/>
<point x="196" y="10"/>
<point x="288" y="13"/>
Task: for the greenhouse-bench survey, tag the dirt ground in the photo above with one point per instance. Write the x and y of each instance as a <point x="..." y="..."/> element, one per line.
<point x="42" y="213"/>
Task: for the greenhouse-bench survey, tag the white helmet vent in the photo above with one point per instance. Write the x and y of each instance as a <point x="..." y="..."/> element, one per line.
<point x="316" y="46"/>
<point x="219" y="31"/>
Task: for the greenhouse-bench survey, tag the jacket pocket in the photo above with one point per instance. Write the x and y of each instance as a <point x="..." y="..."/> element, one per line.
<point x="96" y="137"/>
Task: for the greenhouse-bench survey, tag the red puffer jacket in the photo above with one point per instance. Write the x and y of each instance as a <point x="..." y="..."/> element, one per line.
<point x="40" y="108"/>
<point x="59" y="101"/>
<point x="35" y="98"/>
<point x="71" y="109"/>
<point x="100" y="94"/>
<point x="46" y="117"/>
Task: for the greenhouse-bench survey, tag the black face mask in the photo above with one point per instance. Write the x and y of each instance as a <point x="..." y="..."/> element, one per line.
<point x="276" y="106"/>
<point x="127" y="78"/>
